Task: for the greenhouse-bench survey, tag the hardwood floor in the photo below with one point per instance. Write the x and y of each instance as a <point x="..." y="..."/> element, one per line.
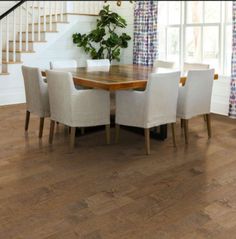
<point x="115" y="191"/>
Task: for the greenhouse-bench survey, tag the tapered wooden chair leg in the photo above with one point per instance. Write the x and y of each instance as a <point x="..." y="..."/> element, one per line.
<point x="208" y="121"/>
<point x="117" y="132"/>
<point x="173" y="133"/>
<point x="186" y="131"/>
<point x="72" y="137"/>
<point x="41" y="124"/>
<point x="147" y="140"/>
<point x="27" y="119"/>
<point x="108" y="134"/>
<point x="51" y="134"/>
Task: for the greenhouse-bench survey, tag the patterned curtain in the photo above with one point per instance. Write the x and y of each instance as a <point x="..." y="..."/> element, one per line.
<point x="145" y="32"/>
<point x="232" y="100"/>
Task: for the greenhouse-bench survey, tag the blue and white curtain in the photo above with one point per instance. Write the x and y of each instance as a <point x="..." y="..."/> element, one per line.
<point x="232" y="99"/>
<point x="145" y="32"/>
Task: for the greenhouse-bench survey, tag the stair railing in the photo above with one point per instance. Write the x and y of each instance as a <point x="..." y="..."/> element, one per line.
<point x="26" y="22"/>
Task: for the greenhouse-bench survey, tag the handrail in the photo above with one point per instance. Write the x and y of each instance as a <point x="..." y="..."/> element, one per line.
<point x="12" y="9"/>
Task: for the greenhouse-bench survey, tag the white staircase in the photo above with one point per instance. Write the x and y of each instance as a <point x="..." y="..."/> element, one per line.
<point x="34" y="24"/>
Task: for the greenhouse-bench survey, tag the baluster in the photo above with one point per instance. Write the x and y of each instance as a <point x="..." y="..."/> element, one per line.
<point x="20" y="28"/>
<point x="44" y="16"/>
<point x="56" y="11"/>
<point x="39" y="21"/>
<point x="80" y="7"/>
<point x="14" y="36"/>
<point x="32" y="20"/>
<point x="61" y="10"/>
<point x="0" y="46"/>
<point x="86" y="7"/>
<point x="27" y="27"/>
<point x="7" y="38"/>
<point x="50" y="16"/>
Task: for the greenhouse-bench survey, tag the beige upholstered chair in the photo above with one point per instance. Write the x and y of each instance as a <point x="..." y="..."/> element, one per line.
<point x="60" y="64"/>
<point x="153" y="107"/>
<point x="195" y="98"/>
<point x="36" y="93"/>
<point x="98" y="63"/>
<point x="63" y="64"/>
<point x="195" y="66"/>
<point x="102" y="65"/>
<point x="163" y="64"/>
<point x="76" y="108"/>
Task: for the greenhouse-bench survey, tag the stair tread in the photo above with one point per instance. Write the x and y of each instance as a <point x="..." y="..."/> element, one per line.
<point x="17" y="51"/>
<point x="43" y="32"/>
<point x="12" y="62"/>
<point x="52" y="22"/>
<point x="71" y="13"/>
<point x="28" y="41"/>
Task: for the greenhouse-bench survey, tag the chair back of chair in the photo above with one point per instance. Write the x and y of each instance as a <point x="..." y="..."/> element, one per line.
<point x="36" y="91"/>
<point x="97" y="63"/>
<point x="63" y="64"/>
<point x="60" y="89"/>
<point x="195" y="66"/>
<point x="197" y="93"/>
<point x="161" y="98"/>
<point x="164" y="64"/>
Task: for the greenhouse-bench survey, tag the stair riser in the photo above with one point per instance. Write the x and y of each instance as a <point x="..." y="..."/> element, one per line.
<point x="54" y="27"/>
<point x="42" y="36"/>
<point x="4" y="68"/>
<point x="30" y="46"/>
<point x="64" y="18"/>
<point x="4" y="56"/>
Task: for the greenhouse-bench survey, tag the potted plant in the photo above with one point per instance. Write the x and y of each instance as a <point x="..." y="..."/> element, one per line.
<point x="104" y="42"/>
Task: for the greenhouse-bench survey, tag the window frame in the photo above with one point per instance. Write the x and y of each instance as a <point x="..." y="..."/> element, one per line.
<point x="183" y="25"/>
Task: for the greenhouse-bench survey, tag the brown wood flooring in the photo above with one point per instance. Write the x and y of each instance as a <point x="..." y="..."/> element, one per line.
<point x="115" y="191"/>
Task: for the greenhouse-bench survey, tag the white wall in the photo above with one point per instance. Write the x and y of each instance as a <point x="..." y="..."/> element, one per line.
<point x="5" y="5"/>
<point x="220" y="96"/>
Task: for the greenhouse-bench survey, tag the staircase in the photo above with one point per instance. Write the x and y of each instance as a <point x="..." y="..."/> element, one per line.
<point x="27" y="26"/>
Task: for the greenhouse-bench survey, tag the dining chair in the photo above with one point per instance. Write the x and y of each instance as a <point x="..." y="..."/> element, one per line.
<point x="58" y="64"/>
<point x="102" y="65"/>
<point x="163" y="64"/>
<point x="36" y="92"/>
<point x="154" y="106"/>
<point x="195" y="66"/>
<point x="195" y="98"/>
<point x="99" y="62"/>
<point x="76" y="108"/>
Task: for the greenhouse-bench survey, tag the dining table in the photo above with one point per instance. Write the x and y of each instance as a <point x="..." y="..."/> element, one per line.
<point x="121" y="77"/>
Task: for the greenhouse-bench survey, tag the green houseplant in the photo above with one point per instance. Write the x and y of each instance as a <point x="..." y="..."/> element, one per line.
<point x="104" y="42"/>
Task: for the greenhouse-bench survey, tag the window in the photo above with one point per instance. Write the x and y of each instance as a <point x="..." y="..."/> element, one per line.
<point x="196" y="31"/>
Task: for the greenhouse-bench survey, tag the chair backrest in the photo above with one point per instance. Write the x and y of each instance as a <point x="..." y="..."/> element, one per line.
<point x="96" y="63"/>
<point x="63" y="64"/>
<point x="197" y="92"/>
<point x="60" y="89"/>
<point x="161" y="97"/>
<point x="36" y="91"/>
<point x="164" y="64"/>
<point x="195" y="66"/>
